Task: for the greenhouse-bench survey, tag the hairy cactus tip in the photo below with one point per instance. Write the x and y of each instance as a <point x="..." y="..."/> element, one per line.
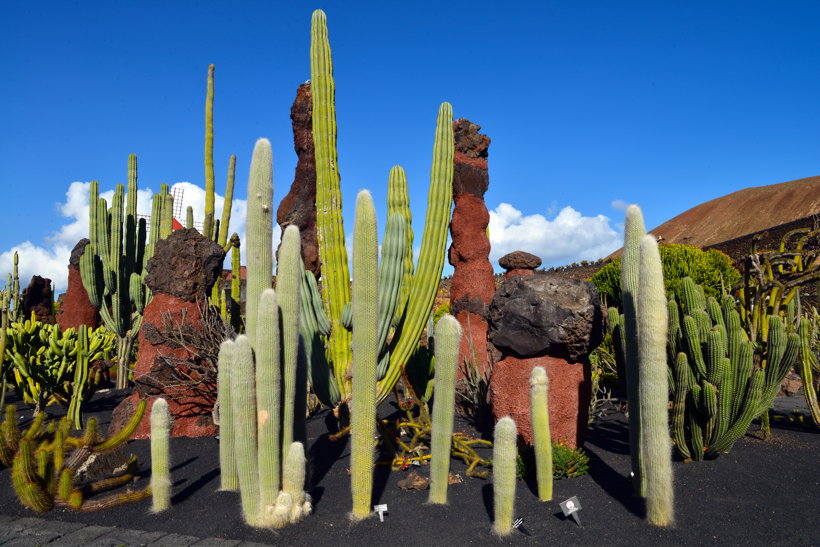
<point x="160" y="456"/>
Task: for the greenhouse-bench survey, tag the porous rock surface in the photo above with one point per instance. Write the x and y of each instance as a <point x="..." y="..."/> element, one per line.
<point x="184" y="265"/>
<point x="473" y="284"/>
<point x="76" y="308"/>
<point x="38" y="297"/>
<point x="298" y="207"/>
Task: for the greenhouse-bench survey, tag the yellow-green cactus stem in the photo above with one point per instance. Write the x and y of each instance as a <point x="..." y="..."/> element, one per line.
<point x="225" y="223"/>
<point x="505" y="454"/>
<point x="229" y="480"/>
<point x="539" y="415"/>
<point x="259" y="231"/>
<point x="243" y="403"/>
<point x="365" y="354"/>
<point x="160" y="456"/>
<point x="448" y="339"/>
<point x="294" y="369"/>
<point x="208" y="225"/>
<point x="268" y="396"/>
<point x="653" y="388"/>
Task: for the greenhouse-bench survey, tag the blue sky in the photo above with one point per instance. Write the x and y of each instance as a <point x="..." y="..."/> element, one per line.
<point x="589" y="105"/>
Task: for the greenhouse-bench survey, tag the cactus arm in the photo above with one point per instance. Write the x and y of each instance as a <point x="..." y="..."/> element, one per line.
<point x="329" y="224"/>
<point x="208" y="226"/>
<point x="225" y="223"/>
<point x="160" y="456"/>
<point x="431" y="256"/>
<point x="539" y="415"/>
<point x="504" y="463"/>
<point x="448" y="339"/>
<point x="807" y="362"/>
<point x="365" y="354"/>
<point x="653" y="385"/>
<point x="260" y="231"/>
<point x="633" y="233"/>
<point x="398" y="201"/>
<point x="268" y="385"/>
<point x="391" y="272"/>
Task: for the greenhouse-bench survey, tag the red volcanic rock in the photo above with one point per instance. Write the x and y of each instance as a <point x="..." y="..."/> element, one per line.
<point x="153" y="377"/>
<point x="519" y="260"/>
<point x="76" y="308"/>
<point x="569" y="389"/>
<point x="38" y="297"/>
<point x="298" y="207"/>
<point x="185" y="264"/>
<point x="473" y="283"/>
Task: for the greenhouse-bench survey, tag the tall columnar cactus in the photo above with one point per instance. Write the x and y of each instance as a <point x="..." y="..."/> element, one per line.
<point x="505" y="455"/>
<point x="294" y="376"/>
<point x="808" y="364"/>
<point x="113" y="265"/>
<point x="365" y="348"/>
<point x="243" y="405"/>
<point x="259" y="231"/>
<point x="653" y="390"/>
<point x="448" y="338"/>
<point x="208" y="225"/>
<point x="633" y="233"/>
<point x="335" y="274"/>
<point x="539" y="415"/>
<point x="229" y="480"/>
<point x="160" y="456"/>
<point x="268" y="387"/>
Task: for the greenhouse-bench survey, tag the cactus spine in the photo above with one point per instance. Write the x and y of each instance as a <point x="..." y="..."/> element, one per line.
<point x="336" y="293"/>
<point x="227" y="454"/>
<point x="448" y="338"/>
<point x="294" y="378"/>
<point x="243" y="403"/>
<point x="653" y="388"/>
<point x="268" y="396"/>
<point x="365" y="347"/>
<point x="160" y="456"/>
<point x="505" y="454"/>
<point x="260" y="220"/>
<point x="539" y="415"/>
<point x="633" y="233"/>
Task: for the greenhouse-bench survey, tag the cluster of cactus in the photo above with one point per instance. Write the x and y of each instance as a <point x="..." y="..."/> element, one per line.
<point x="406" y="293"/>
<point x="263" y="375"/>
<point x="45" y="460"/>
<point x="717" y="389"/>
<point x="48" y="365"/>
<point x="113" y="266"/>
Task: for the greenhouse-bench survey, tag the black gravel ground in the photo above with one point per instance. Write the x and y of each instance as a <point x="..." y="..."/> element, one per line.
<point x="762" y="493"/>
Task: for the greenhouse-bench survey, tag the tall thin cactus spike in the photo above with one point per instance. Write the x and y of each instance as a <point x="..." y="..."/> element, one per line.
<point x="208" y="227"/>
<point x="268" y="396"/>
<point x="260" y="230"/>
<point x="225" y="223"/>
<point x="653" y="391"/>
<point x="398" y="201"/>
<point x="294" y="377"/>
<point x="633" y="233"/>
<point x="229" y="480"/>
<point x="329" y="224"/>
<point x="539" y="416"/>
<point x="243" y="404"/>
<point x="189" y="217"/>
<point x="365" y="354"/>
<point x="505" y="455"/>
<point x="448" y="339"/>
<point x="160" y="456"/>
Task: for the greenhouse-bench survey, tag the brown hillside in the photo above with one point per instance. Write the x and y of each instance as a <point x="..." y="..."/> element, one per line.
<point x="743" y="212"/>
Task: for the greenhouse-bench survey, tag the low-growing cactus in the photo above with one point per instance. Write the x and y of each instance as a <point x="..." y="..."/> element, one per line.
<point x="160" y="456"/>
<point x="505" y="454"/>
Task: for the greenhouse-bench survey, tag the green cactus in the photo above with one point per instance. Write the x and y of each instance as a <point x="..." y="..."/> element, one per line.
<point x="229" y="481"/>
<point x="260" y="220"/>
<point x="448" y="339"/>
<point x="365" y="354"/>
<point x="208" y="224"/>
<point x="294" y="376"/>
<point x="539" y="415"/>
<point x="335" y="274"/>
<point x="633" y="233"/>
<point x="160" y="456"/>
<point x="505" y="454"/>
<point x="189" y="217"/>
<point x="293" y="503"/>
<point x="243" y="404"/>
<point x="808" y="364"/>
<point x="268" y="387"/>
<point x="653" y="390"/>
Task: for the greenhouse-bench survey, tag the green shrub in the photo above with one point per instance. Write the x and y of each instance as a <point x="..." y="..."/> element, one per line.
<point x="711" y="269"/>
<point x="567" y="462"/>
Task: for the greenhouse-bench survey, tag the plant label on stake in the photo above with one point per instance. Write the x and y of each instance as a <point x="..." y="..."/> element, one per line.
<point x="381" y="510"/>
<point x="519" y="525"/>
<point x="571" y="507"/>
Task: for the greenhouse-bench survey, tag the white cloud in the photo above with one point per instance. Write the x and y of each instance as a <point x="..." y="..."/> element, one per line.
<point x="51" y="259"/>
<point x="620" y="205"/>
<point x="569" y="237"/>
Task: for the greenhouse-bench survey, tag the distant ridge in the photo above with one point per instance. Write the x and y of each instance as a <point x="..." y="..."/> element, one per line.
<point x="743" y="212"/>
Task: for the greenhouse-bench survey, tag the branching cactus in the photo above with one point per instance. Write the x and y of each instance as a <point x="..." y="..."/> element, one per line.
<point x="653" y="390"/>
<point x="365" y="311"/>
<point x="448" y="338"/>
<point x="539" y="415"/>
<point x="160" y="456"/>
<point x="331" y="370"/>
<point x="505" y="454"/>
<point x="633" y="233"/>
